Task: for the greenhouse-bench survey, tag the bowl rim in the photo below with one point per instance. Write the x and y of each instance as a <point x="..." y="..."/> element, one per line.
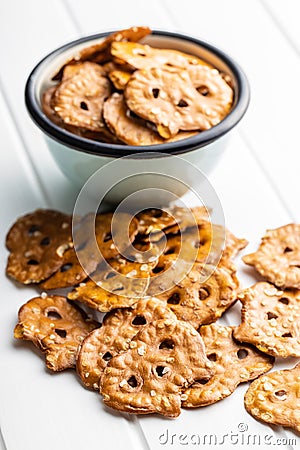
<point x="85" y="145"/>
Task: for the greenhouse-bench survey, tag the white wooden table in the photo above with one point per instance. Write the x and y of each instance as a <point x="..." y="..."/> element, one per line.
<point x="257" y="182"/>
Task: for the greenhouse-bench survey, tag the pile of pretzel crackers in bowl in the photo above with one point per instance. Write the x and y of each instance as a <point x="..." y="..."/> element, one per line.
<point x="158" y="353"/>
<point x="123" y="92"/>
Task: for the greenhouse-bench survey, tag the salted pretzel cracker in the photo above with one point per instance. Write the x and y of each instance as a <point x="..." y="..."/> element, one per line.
<point x="104" y="135"/>
<point x="270" y="319"/>
<point x="69" y="274"/>
<point x="118" y="328"/>
<point x="171" y="101"/>
<point x="211" y="241"/>
<point x="55" y="327"/>
<point x="103" y="231"/>
<point x="132" y="131"/>
<point x="100" y="52"/>
<point x="274" y="398"/>
<point x="169" y="220"/>
<point x="198" y="302"/>
<point x="233" y="363"/>
<point x="115" y="284"/>
<point x="78" y="100"/>
<point x="164" y="357"/>
<point x="37" y="243"/>
<point x="140" y="56"/>
<point x="278" y="256"/>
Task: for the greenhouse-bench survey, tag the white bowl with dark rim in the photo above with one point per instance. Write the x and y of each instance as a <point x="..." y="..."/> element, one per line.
<point x="79" y="158"/>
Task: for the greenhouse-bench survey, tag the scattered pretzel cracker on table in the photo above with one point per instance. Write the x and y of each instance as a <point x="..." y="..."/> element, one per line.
<point x="274" y="398"/>
<point x="278" y="256"/>
<point x="270" y="319"/>
<point x="114" y="337"/>
<point x="122" y="91"/>
<point x="233" y="363"/>
<point x="55" y="327"/>
<point x="156" y="354"/>
<point x="163" y="358"/>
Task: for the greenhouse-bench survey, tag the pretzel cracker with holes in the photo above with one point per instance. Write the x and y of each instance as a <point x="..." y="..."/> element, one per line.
<point x="202" y="302"/>
<point x="164" y="357"/>
<point x="274" y="398"/>
<point x="118" y="328"/>
<point x="37" y="243"/>
<point x="55" y="327"/>
<point x="170" y="99"/>
<point x="270" y="319"/>
<point x="233" y="363"/>
<point x="278" y="256"/>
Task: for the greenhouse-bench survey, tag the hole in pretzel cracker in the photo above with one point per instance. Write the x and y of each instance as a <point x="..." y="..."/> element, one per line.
<point x="281" y="394"/>
<point x="203" y="90"/>
<point x="158" y="269"/>
<point x="203" y="293"/>
<point x="107" y="356"/>
<point x="45" y="241"/>
<point x="84" y="106"/>
<point x="167" y="344"/>
<point x="139" y="320"/>
<point x="201" y="381"/>
<point x="242" y="353"/>
<point x="182" y="103"/>
<point x="160" y="370"/>
<point x="155" y="92"/>
<point x="212" y="357"/>
<point x="109" y="275"/>
<point x="271" y="315"/>
<point x="107" y="237"/>
<point x="287" y="250"/>
<point x="284" y="300"/>
<point x="33" y="229"/>
<point x="66" y="267"/>
<point x="61" y="333"/>
<point x="118" y="288"/>
<point x="170" y="251"/>
<point x="32" y="262"/>
<point x="174" y="299"/>
<point x="132" y="381"/>
<point x="287" y="335"/>
<point x="53" y="315"/>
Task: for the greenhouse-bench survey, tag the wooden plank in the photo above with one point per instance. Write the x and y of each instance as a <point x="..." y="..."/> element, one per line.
<point x="50" y="28"/>
<point x="286" y="16"/>
<point x="246" y="31"/>
<point x="32" y="400"/>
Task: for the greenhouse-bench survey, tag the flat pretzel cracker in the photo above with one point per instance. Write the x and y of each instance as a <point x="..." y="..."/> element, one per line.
<point x="55" y="327"/>
<point x="278" y="256"/>
<point x="165" y="356"/>
<point x="199" y="302"/>
<point x="141" y="56"/>
<point x="79" y="99"/>
<point x="100" y="53"/>
<point x="118" y="328"/>
<point x="271" y="319"/>
<point x="178" y="104"/>
<point x="37" y="242"/>
<point x="69" y="274"/>
<point x="233" y="363"/>
<point x="94" y="296"/>
<point x="274" y="398"/>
